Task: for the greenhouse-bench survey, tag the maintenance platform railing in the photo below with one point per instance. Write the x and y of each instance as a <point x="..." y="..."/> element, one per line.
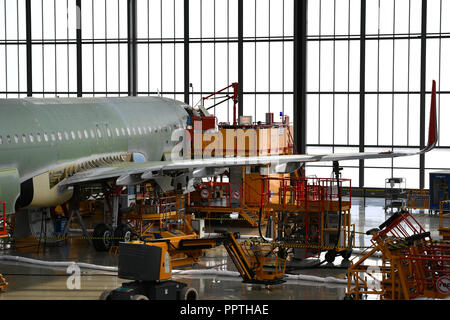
<point x="307" y="193"/>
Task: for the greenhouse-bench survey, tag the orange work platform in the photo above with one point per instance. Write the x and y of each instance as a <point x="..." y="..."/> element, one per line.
<point x="305" y="213"/>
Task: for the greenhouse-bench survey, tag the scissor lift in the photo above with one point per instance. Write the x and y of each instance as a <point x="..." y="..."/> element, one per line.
<point x="308" y="216"/>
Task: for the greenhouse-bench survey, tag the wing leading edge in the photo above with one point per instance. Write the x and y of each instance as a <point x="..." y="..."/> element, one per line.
<point x="134" y="173"/>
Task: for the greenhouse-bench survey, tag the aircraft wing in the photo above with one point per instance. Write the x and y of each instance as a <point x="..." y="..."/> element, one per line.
<point x="169" y="173"/>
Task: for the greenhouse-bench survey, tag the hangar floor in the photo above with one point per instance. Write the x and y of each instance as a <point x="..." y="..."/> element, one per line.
<point x="31" y="282"/>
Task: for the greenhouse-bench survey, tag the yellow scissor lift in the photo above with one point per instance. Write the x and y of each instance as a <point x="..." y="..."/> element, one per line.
<point x="148" y="262"/>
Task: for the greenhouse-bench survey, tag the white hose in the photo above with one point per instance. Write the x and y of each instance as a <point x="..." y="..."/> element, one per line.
<point x="226" y="273"/>
<point x="213" y="272"/>
<point x="242" y="236"/>
<point x="60" y="264"/>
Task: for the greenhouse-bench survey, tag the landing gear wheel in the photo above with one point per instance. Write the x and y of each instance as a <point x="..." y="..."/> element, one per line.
<point x="188" y="293"/>
<point x="330" y="256"/>
<point x="123" y="233"/>
<point x="138" y="297"/>
<point x="349" y="297"/>
<point x="105" y="295"/>
<point x="102" y="237"/>
<point x="346" y="254"/>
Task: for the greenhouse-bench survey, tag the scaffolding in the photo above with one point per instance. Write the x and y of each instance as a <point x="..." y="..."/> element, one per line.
<point x="218" y="199"/>
<point x="307" y="213"/>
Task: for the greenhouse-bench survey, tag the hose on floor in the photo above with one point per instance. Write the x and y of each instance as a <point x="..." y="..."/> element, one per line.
<point x="212" y="272"/>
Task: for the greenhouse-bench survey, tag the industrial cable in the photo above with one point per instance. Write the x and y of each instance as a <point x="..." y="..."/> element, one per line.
<point x="336" y="172"/>
<point x="60" y="264"/>
<point x="213" y="272"/>
<point x="259" y="225"/>
<point x="56" y="275"/>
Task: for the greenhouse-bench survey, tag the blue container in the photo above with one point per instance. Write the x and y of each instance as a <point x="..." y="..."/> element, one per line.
<point x="439" y="189"/>
<point x="60" y="223"/>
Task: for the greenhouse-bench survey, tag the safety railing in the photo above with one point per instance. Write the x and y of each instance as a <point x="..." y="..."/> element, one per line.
<point x="298" y="191"/>
<point x="222" y="194"/>
<point x="428" y="268"/>
<point x="158" y="205"/>
<point x="400" y="225"/>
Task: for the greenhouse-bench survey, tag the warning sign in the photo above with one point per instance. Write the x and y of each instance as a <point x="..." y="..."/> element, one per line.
<point x="236" y="195"/>
<point x="443" y="284"/>
<point x="204" y="193"/>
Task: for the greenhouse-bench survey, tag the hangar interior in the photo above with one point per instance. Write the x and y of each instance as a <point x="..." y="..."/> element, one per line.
<point x="331" y="77"/>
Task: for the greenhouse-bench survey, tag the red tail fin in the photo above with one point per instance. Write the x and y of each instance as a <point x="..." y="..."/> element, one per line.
<point x="432" y="130"/>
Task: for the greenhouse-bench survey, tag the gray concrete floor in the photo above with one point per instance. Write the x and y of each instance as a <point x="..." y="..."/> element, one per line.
<point x="30" y="282"/>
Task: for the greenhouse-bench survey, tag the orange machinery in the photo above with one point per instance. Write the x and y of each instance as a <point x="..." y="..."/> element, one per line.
<point x="149" y="262"/>
<point x="308" y="217"/>
<point x="412" y="264"/>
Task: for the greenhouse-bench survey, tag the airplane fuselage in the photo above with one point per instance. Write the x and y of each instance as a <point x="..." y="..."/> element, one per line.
<point x="42" y="140"/>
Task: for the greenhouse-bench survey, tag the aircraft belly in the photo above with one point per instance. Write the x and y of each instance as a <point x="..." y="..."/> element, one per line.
<point x="46" y="196"/>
